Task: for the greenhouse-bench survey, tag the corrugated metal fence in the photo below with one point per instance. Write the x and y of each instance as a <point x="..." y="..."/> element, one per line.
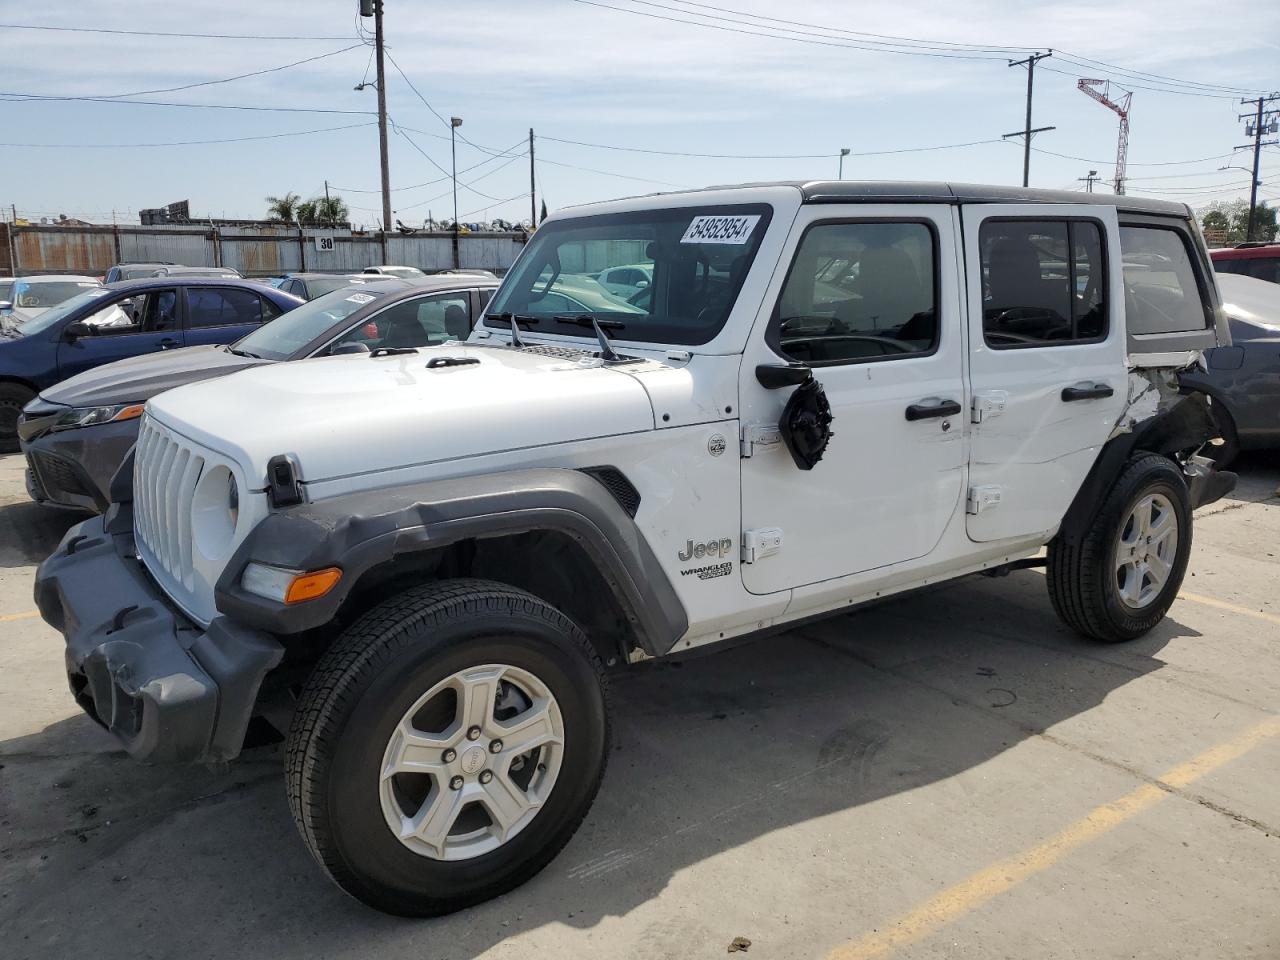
<point x="254" y="251"/>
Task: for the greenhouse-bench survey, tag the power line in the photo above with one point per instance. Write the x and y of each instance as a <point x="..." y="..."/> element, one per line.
<point x="242" y="76"/>
<point x="496" y="203"/>
<point x="765" y="156"/>
<point x="12" y="97"/>
<point x="609" y="173"/>
<point x="428" y="183"/>
<point x="467" y="186"/>
<point x="1133" y="163"/>
<point x="830" y="42"/>
<point x="159" y="33"/>
<point x="187" y="143"/>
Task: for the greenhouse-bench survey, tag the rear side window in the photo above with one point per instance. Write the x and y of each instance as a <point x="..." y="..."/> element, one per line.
<point x="220" y="307"/>
<point x="1043" y="283"/>
<point x="416" y="323"/>
<point x="1264" y="268"/>
<point x="1162" y="290"/>
<point x="858" y="292"/>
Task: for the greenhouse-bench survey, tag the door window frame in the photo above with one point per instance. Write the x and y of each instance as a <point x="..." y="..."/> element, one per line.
<point x="1105" y="284"/>
<point x="772" y="335"/>
<point x="179" y="308"/>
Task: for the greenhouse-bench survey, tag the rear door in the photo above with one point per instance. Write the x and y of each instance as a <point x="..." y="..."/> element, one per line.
<point x="1046" y="359"/>
<point x="224" y="314"/>
<point x="124" y="327"/>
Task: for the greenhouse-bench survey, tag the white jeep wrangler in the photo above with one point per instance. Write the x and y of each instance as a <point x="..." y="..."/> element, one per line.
<point x="826" y="393"/>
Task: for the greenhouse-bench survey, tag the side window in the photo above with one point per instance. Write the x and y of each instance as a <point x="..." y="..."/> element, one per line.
<point x="485" y="296"/>
<point x="1043" y="282"/>
<point x="859" y="291"/>
<point x="122" y="316"/>
<point x="416" y="323"/>
<point x="269" y="310"/>
<point x="1162" y="292"/>
<point x="219" y="307"/>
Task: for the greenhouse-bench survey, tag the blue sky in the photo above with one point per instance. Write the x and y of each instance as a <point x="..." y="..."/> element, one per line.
<point x="580" y="71"/>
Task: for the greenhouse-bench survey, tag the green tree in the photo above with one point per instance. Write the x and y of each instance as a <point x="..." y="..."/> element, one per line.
<point x="283" y="208"/>
<point x="1227" y="221"/>
<point x="329" y="211"/>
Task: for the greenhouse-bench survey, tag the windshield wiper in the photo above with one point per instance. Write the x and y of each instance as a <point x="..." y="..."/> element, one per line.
<point x="508" y="317"/>
<point x="607" y="353"/>
<point x="243" y="353"/>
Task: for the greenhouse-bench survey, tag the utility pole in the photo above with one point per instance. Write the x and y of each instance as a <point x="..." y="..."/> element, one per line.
<point x="533" y="189"/>
<point x="1027" y="132"/>
<point x="1089" y="180"/>
<point x="327" y="208"/>
<point x="1259" y="122"/>
<point x="454" y="124"/>
<point x="844" y="152"/>
<point x="374" y="8"/>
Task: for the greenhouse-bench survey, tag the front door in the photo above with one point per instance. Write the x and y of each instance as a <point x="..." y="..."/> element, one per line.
<point x="125" y="327"/>
<point x="1047" y="366"/>
<point x="868" y="297"/>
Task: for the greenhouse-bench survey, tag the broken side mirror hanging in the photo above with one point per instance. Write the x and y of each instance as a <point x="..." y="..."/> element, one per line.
<point x="806" y="424"/>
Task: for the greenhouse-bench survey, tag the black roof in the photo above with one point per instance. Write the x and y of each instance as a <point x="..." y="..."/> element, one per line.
<point x="188" y="280"/>
<point x="872" y="191"/>
<point x="898" y="191"/>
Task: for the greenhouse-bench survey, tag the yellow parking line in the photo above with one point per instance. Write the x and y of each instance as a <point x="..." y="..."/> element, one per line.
<point x="1230" y="607"/>
<point x="969" y="894"/>
<point x="26" y="615"/>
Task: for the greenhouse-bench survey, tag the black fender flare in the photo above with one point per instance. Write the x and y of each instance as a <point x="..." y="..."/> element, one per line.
<point x="1185" y="425"/>
<point x="358" y="531"/>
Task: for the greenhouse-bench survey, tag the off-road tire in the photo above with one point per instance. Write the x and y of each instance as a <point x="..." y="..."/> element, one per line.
<point x="13" y="397"/>
<point x="1082" y="578"/>
<point x="358" y="692"/>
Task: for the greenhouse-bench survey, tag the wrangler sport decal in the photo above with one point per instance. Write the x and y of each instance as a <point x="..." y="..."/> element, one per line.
<point x="710" y="550"/>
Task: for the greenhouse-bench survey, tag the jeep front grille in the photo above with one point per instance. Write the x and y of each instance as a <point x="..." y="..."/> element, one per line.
<point x="166" y="469"/>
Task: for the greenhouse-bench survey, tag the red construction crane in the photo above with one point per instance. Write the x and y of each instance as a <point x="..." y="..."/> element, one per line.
<point x="1121" y="107"/>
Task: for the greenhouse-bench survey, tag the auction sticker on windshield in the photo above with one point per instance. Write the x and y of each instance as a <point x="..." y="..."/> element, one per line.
<point x="360" y="298"/>
<point x="735" y="230"/>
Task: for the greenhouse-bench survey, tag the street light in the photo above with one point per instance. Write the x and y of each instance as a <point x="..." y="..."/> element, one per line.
<point x="454" y="124"/>
<point x="844" y="152"/>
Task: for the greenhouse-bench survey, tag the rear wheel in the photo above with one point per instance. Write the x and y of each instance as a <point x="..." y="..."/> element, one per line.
<point x="13" y="397"/>
<point x="1122" y="576"/>
<point x="447" y="746"/>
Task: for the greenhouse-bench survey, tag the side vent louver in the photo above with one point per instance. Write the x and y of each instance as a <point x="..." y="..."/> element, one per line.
<point x="619" y="487"/>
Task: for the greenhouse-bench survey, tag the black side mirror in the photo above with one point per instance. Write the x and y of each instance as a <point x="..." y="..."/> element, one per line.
<point x="74" y="331"/>
<point x="351" y="346"/>
<point x="6" y="306"/>
<point x="775" y="376"/>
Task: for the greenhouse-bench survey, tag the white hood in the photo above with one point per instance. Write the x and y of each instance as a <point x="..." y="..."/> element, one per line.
<point x="357" y="414"/>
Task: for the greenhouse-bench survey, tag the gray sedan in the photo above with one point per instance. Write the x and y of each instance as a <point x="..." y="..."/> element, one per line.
<point x="1244" y="378"/>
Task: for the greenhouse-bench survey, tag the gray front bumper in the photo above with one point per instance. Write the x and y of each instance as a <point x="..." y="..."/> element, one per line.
<point x="167" y="689"/>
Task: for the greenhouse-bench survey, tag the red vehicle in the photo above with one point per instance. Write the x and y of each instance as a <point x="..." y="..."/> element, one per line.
<point x="1258" y="259"/>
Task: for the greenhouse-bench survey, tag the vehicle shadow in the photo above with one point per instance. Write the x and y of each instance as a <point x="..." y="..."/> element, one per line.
<point x="111" y="857"/>
<point x="29" y="532"/>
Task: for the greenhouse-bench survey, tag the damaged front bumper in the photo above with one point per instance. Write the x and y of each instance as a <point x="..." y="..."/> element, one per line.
<point x="166" y="688"/>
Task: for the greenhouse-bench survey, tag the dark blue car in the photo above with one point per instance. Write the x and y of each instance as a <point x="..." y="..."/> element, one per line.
<point x="123" y="320"/>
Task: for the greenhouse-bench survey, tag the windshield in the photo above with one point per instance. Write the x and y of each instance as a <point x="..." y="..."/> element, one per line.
<point x="286" y="335"/>
<point x="42" y="294"/>
<point x="319" y="286"/>
<point x="50" y="318"/>
<point x="660" y="276"/>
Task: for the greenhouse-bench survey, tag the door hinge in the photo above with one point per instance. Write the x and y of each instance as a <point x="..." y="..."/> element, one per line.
<point x="983" y="497"/>
<point x="759" y="435"/>
<point x="987" y="404"/>
<point x="761" y="543"/>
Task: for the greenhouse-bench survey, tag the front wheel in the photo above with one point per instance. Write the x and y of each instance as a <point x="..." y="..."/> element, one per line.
<point x="13" y="397"/>
<point x="447" y="746"/>
<point x="1122" y="576"/>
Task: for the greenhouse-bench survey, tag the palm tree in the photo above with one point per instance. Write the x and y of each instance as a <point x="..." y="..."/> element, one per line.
<point x="307" y="211"/>
<point x="283" y="208"/>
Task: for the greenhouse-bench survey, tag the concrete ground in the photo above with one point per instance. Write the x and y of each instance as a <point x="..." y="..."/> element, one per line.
<point x="952" y="775"/>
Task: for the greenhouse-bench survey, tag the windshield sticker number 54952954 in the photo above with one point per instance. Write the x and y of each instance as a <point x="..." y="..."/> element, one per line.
<point x="736" y="230"/>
